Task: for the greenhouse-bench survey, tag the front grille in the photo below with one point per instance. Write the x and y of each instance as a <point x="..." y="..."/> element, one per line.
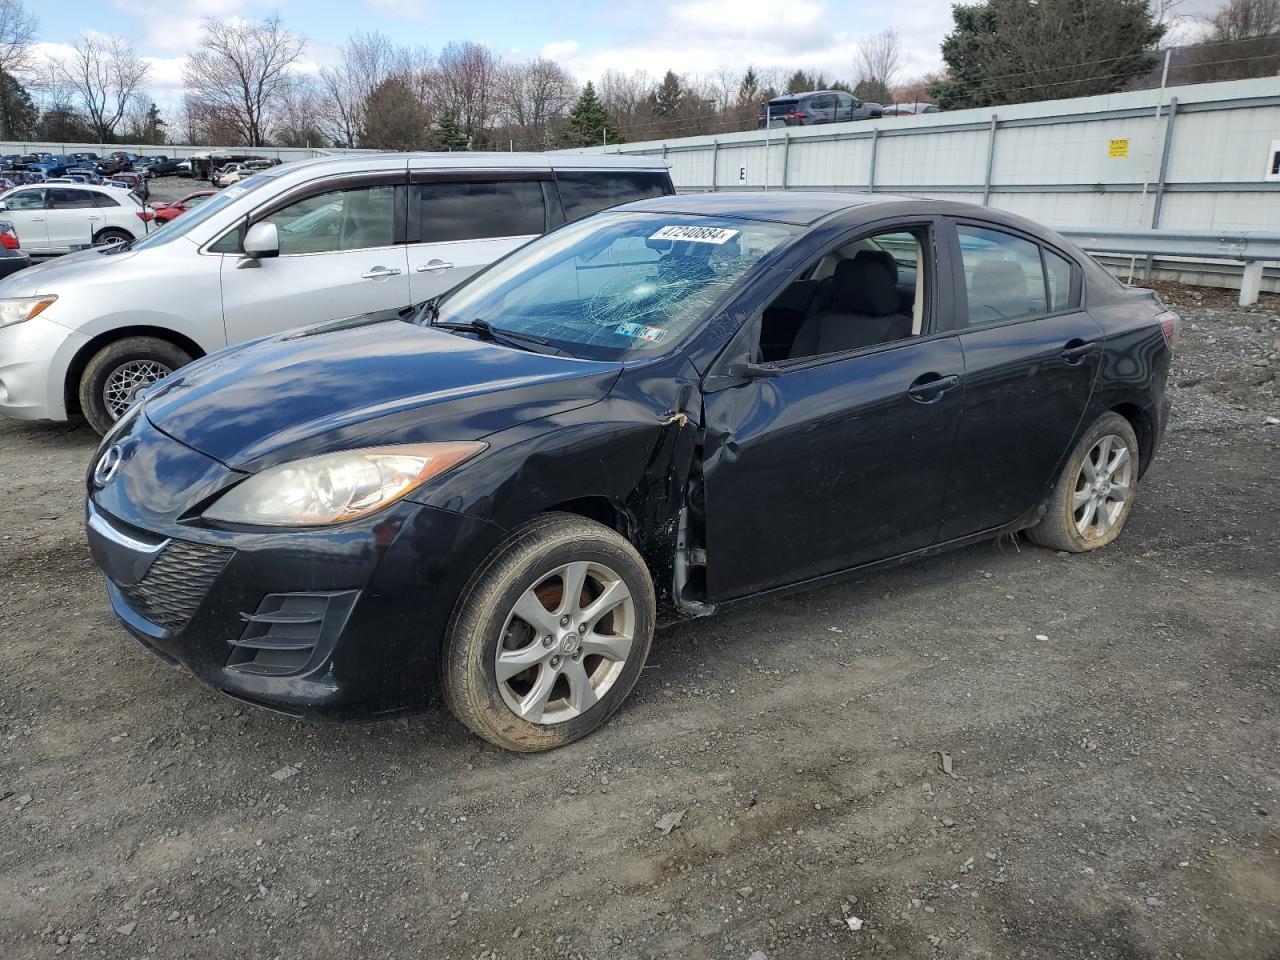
<point x="176" y="583"/>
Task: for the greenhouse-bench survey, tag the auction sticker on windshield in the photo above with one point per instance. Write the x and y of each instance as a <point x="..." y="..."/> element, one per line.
<point x="695" y="234"/>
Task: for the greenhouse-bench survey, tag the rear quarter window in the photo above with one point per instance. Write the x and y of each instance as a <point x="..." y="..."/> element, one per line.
<point x="590" y="191"/>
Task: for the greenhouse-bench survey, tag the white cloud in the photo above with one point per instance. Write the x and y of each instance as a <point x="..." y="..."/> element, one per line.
<point x="699" y="37"/>
<point x="561" y="50"/>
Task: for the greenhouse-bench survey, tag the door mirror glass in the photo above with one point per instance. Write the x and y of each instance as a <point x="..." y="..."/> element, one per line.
<point x="262" y="241"/>
<point x="3" y="207"/>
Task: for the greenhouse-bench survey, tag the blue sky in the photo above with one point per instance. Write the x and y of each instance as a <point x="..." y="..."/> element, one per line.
<point x="586" y="36"/>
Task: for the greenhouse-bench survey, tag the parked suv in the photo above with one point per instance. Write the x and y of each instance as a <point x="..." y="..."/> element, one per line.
<point x="294" y="245"/>
<point x="818" y="106"/>
<point x="61" y="217"/>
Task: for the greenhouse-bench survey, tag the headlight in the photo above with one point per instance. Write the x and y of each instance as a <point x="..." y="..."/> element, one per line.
<point x="337" y="486"/>
<point x="17" y="309"/>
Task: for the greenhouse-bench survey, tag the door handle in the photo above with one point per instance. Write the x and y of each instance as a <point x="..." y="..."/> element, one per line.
<point x="380" y="273"/>
<point x="37" y="219"/>
<point x="930" y="387"/>
<point x="1076" y="350"/>
<point x="435" y="265"/>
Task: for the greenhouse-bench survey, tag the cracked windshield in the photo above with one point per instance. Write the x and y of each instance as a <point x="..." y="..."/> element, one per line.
<point x="615" y="287"/>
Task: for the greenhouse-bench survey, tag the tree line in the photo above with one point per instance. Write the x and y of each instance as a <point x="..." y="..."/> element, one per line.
<point x="244" y="86"/>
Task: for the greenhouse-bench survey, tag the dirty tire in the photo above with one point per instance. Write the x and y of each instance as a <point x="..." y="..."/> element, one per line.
<point x="468" y="673"/>
<point x="1057" y="529"/>
<point x="109" y="359"/>
<point x="112" y="235"/>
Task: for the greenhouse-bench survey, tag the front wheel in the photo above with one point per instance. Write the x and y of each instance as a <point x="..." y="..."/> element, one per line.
<point x="550" y="635"/>
<point x="119" y="372"/>
<point x="1092" y="498"/>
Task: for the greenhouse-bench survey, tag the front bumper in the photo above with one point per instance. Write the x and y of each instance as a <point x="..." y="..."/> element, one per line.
<point x="34" y="356"/>
<point x="318" y="623"/>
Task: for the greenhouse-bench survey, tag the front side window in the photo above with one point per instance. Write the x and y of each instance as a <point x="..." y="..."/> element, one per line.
<point x="25" y="200"/>
<point x="590" y="191"/>
<point x="356" y="219"/>
<point x="479" y="210"/>
<point x="862" y="294"/>
<point x="618" y="285"/>
<point x="1003" y="274"/>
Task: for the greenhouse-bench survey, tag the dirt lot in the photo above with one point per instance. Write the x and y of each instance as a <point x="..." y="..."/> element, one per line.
<point x="1112" y="723"/>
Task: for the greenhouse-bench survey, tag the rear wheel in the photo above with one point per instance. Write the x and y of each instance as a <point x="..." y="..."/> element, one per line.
<point x="120" y="371"/>
<point x="550" y="635"/>
<point x="111" y="235"/>
<point x="1092" y="498"/>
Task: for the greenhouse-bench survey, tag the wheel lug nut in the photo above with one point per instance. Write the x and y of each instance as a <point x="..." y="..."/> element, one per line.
<point x="577" y="655"/>
<point x="564" y="621"/>
<point x="555" y="662"/>
<point x="582" y="628"/>
<point x="548" y="640"/>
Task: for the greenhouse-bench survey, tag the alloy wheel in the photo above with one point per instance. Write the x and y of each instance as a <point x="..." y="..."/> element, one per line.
<point x="125" y="382"/>
<point x="565" y="642"/>
<point x="1102" y="487"/>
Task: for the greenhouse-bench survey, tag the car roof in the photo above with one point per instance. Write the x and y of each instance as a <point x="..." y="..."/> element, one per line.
<point x="481" y="160"/>
<point x="797" y="207"/>
<point x="806" y="93"/>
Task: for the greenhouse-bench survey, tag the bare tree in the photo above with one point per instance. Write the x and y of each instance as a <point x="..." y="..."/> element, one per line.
<point x="368" y="60"/>
<point x="876" y="65"/>
<point x="532" y="97"/>
<point x="103" y="75"/>
<point x="240" y="72"/>
<point x="464" y="84"/>
<point x="17" y="34"/>
<point x="1244" y="41"/>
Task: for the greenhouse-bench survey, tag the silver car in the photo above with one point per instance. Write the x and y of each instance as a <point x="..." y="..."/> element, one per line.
<point x="296" y="244"/>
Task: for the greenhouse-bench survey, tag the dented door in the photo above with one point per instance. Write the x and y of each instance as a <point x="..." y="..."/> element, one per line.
<point x="828" y="466"/>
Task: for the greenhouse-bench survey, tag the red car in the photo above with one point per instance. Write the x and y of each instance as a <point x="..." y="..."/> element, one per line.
<point x="169" y="211"/>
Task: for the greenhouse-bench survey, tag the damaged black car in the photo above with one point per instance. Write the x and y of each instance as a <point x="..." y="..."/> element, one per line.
<point x="668" y="407"/>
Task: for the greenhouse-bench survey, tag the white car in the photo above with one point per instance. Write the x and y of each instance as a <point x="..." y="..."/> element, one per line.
<point x="297" y="244"/>
<point x="60" y="218"/>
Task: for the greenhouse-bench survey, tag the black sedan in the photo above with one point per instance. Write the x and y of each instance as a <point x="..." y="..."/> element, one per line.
<point x="665" y="408"/>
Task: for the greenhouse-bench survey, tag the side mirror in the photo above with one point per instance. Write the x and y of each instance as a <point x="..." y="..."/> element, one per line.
<point x="4" y="207"/>
<point x="755" y="371"/>
<point x="262" y="241"/>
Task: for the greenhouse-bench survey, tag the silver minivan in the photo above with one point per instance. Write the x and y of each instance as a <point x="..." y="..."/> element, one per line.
<point x="297" y="244"/>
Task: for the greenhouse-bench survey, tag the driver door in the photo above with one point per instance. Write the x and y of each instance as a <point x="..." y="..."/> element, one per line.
<point x="341" y="254"/>
<point x="836" y="456"/>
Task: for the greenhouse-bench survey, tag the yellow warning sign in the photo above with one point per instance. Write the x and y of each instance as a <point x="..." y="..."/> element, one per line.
<point x="1118" y="149"/>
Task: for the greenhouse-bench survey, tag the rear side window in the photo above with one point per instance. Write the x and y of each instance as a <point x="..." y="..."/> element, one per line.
<point x="102" y="200"/>
<point x="479" y="210"/>
<point x="1058" y="270"/>
<point x="1003" y="274"/>
<point x="586" y="192"/>
<point x="58" y="199"/>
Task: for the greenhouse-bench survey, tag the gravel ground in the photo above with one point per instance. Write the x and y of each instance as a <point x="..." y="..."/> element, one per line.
<point x="998" y="752"/>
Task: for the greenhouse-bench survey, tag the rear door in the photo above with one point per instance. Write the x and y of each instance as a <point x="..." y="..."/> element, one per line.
<point x="460" y="223"/>
<point x="1031" y="356"/>
<point x="27" y="214"/>
<point x="341" y="254"/>
<point x="822" y="108"/>
<point x="70" y="218"/>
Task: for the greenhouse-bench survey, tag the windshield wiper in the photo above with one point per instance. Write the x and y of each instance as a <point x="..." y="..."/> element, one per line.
<point x="487" y="331"/>
<point x="427" y="312"/>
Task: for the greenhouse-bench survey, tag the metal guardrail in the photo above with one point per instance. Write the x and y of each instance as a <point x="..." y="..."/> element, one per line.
<point x="1253" y="248"/>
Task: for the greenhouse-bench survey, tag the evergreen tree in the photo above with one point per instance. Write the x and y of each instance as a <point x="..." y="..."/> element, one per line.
<point x="18" y="114"/>
<point x="800" y="82"/>
<point x="395" y="119"/>
<point x="588" y="123"/>
<point x="749" y="88"/>
<point x="447" y="135"/>
<point x="1017" y="51"/>
<point x="669" y="96"/>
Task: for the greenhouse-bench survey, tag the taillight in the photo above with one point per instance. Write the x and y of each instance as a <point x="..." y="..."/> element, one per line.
<point x="9" y="240"/>
<point x="794" y="115"/>
<point x="1170" y="323"/>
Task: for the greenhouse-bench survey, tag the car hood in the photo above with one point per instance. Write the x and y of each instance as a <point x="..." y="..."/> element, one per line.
<point x="45" y="277"/>
<point x="363" y="382"/>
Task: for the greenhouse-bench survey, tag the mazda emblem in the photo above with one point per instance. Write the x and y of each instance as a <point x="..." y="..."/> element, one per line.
<point x="107" y="466"/>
